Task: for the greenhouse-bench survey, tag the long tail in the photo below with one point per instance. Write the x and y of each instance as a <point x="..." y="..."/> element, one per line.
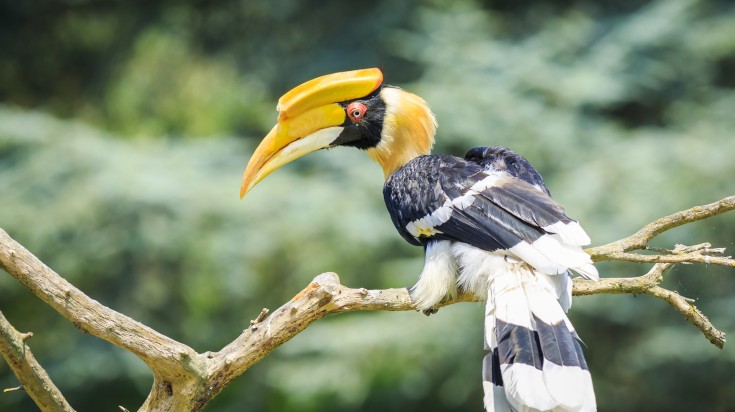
<point x="535" y="360"/>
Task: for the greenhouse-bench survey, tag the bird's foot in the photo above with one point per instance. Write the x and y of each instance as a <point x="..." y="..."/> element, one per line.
<point x="430" y="311"/>
<point x="420" y="302"/>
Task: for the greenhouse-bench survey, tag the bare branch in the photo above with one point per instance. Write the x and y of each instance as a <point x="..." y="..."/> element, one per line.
<point x="633" y="285"/>
<point x="648" y="284"/>
<point x="32" y="377"/>
<point x="186" y="380"/>
<point x="676" y="258"/>
<point x="691" y="313"/>
<point x="323" y="296"/>
<point x="702" y="253"/>
<point x="640" y="239"/>
<point x="85" y="313"/>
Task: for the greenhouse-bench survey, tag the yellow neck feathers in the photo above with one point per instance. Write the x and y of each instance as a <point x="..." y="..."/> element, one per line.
<point x="408" y="130"/>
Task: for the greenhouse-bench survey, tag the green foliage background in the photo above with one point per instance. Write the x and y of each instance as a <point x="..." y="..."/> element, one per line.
<point x="125" y="127"/>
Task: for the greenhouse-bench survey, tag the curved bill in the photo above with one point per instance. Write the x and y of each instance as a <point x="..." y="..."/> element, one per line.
<point x="292" y="138"/>
<point x="309" y="119"/>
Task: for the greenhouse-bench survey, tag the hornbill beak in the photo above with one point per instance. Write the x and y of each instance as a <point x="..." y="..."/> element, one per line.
<point x="309" y="118"/>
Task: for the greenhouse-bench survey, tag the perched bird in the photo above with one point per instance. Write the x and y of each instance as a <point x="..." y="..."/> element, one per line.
<point x="487" y="223"/>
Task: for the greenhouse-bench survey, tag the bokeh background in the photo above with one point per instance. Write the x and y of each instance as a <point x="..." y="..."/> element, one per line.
<point x="125" y="127"/>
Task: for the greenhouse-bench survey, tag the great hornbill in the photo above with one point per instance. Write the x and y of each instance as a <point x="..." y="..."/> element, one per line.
<point x="487" y="224"/>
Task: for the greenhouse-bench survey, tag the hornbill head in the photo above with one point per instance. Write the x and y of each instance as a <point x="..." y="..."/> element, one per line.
<point x="349" y="108"/>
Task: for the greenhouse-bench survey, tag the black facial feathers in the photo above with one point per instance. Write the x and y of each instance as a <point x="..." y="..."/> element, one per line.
<point x="366" y="132"/>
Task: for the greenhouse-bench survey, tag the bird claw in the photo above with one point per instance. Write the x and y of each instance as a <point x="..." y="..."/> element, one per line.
<point x="430" y="311"/>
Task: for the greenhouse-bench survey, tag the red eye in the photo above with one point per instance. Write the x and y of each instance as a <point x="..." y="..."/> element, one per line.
<point x="356" y="111"/>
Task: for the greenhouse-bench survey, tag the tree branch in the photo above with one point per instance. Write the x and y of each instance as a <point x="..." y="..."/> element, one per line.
<point x="639" y="240"/>
<point x="186" y="380"/>
<point x="168" y="359"/>
<point x="32" y="377"/>
<point x="85" y="313"/>
<point x="648" y="284"/>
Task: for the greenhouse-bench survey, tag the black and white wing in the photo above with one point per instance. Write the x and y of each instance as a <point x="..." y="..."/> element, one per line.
<point x="504" y="209"/>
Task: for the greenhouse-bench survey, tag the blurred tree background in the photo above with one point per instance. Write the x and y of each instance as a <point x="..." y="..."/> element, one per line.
<point x="125" y="127"/>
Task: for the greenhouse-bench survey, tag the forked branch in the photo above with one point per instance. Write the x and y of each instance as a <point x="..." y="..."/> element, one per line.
<point x="639" y="240"/>
<point x="186" y="380"/>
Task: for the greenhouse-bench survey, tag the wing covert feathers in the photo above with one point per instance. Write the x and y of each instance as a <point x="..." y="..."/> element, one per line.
<point x="446" y="198"/>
